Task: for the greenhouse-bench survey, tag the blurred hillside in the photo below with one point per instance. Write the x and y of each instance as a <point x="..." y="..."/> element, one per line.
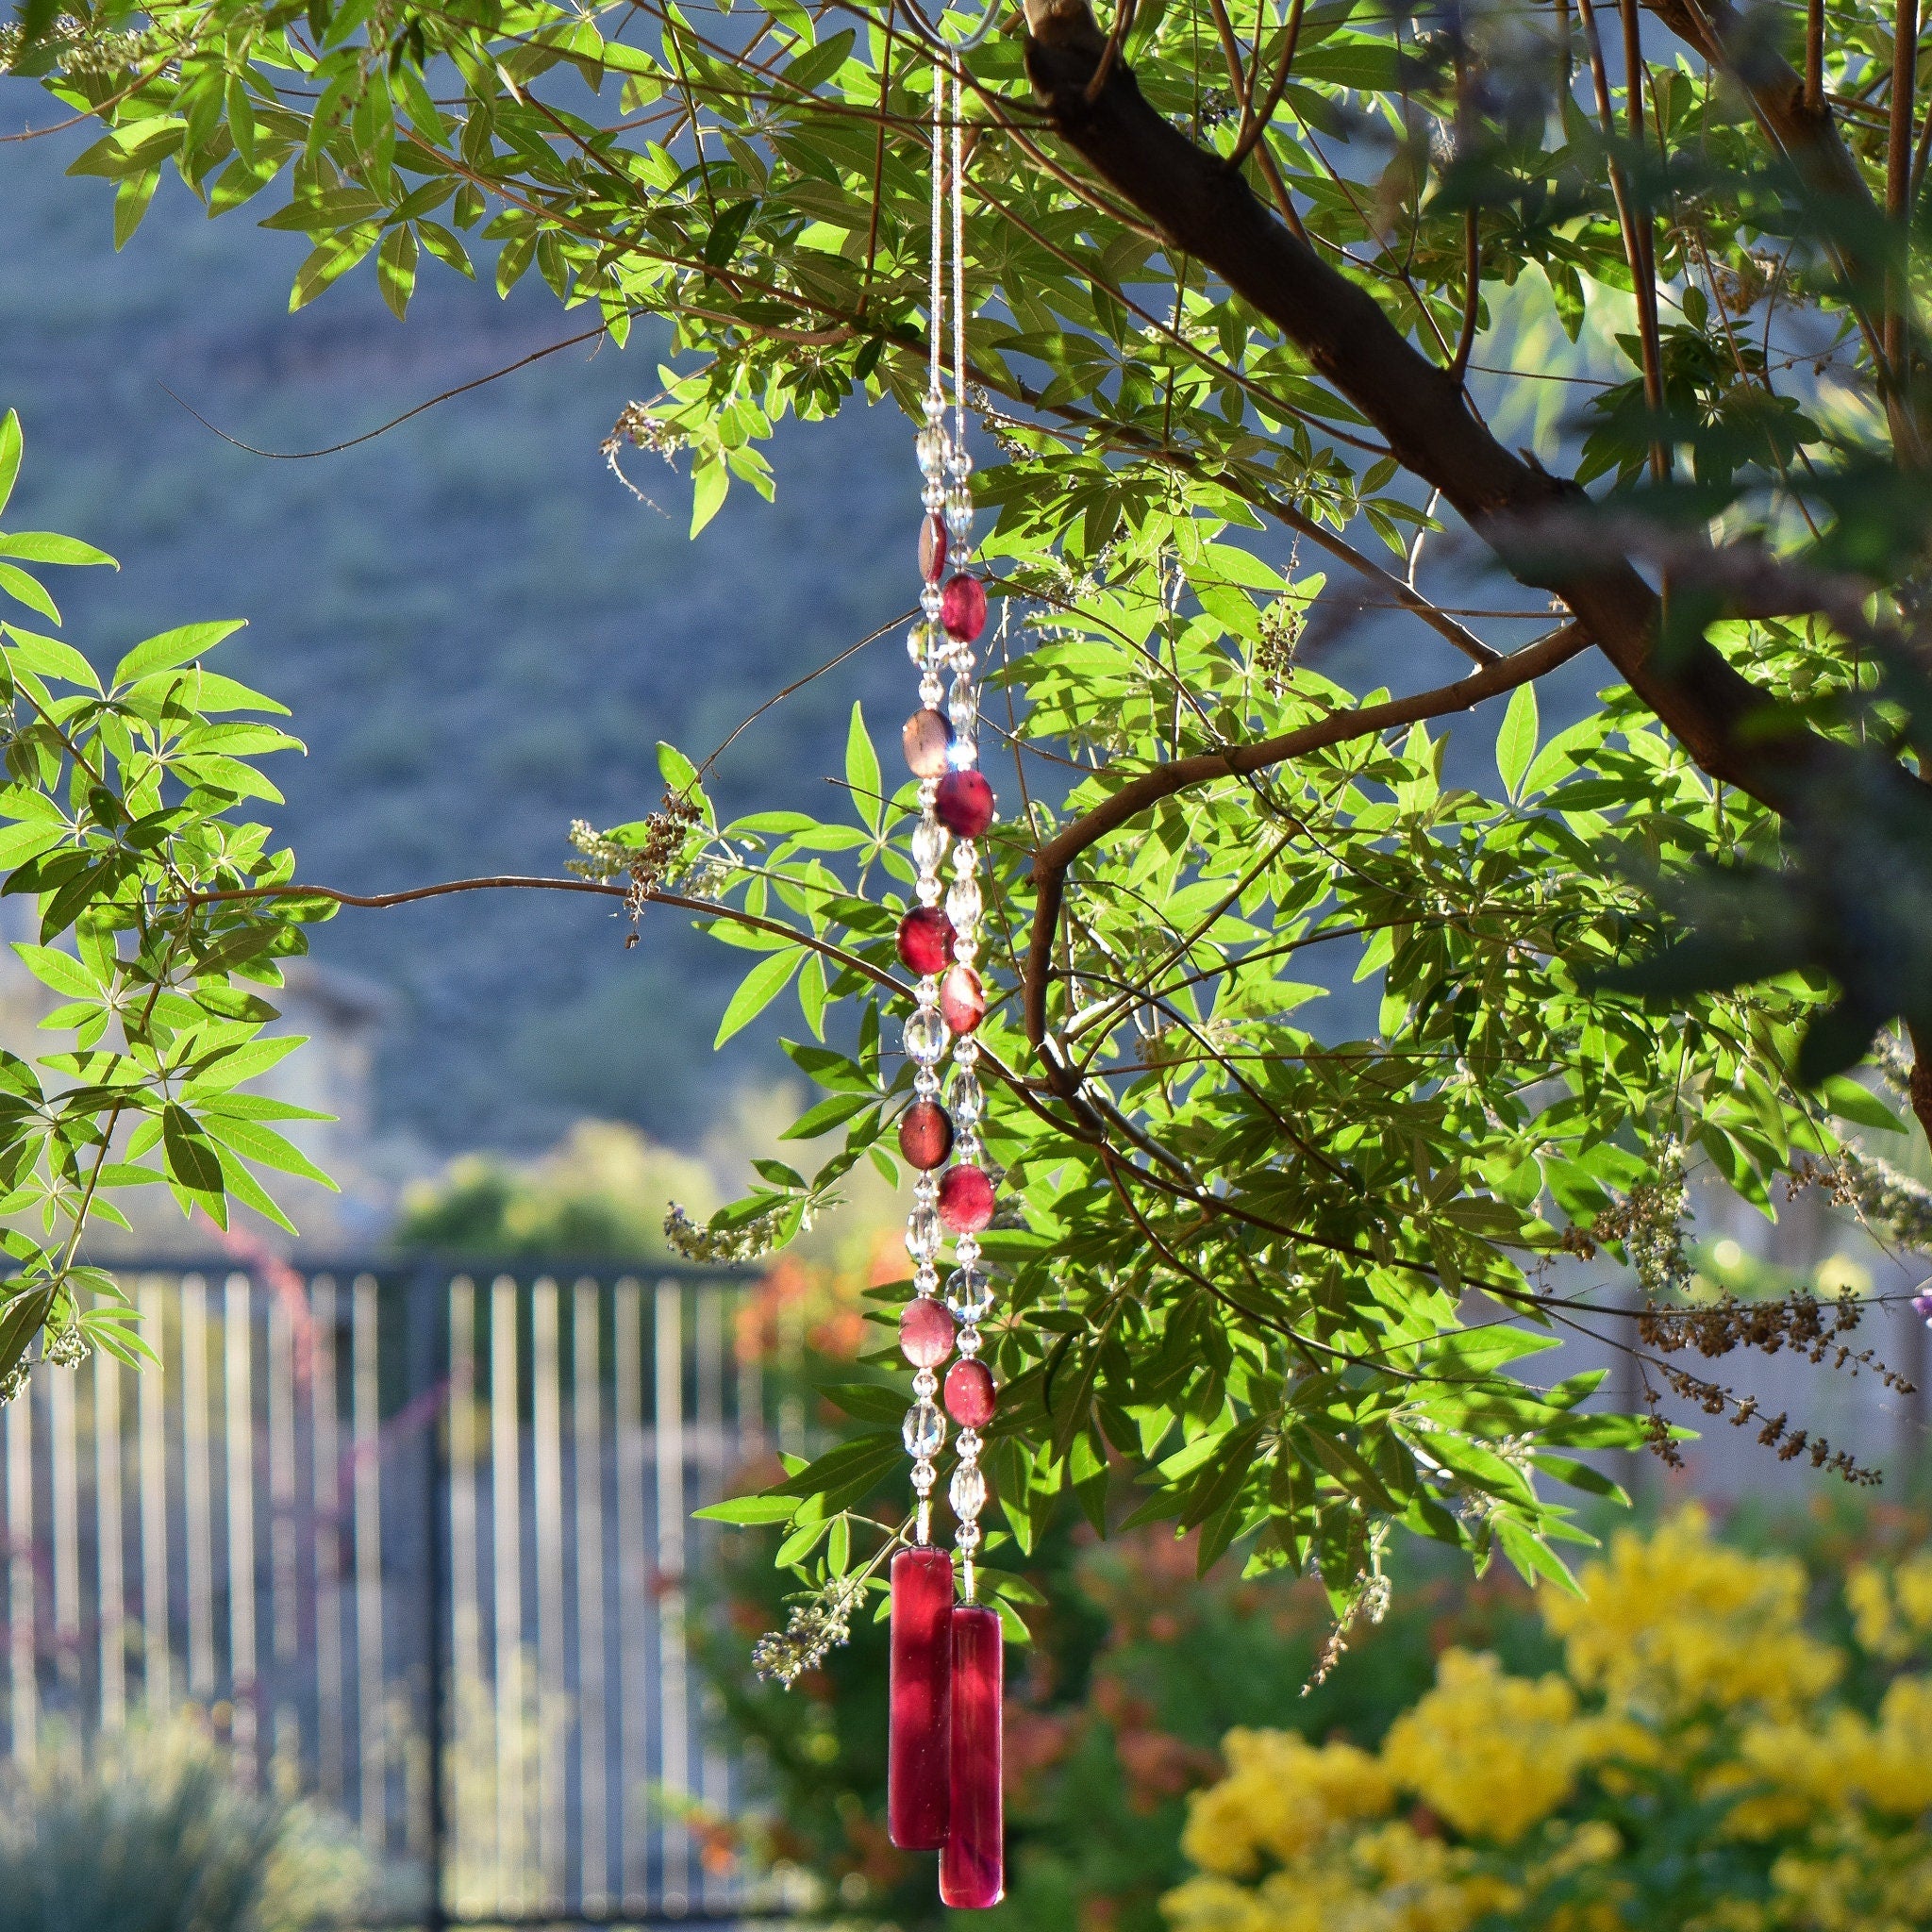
<point x="481" y="634"/>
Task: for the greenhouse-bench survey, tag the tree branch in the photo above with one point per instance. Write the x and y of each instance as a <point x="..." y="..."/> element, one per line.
<point x="1050" y="862"/>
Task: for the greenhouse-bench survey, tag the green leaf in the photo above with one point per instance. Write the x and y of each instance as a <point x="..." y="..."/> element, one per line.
<point x="190" y="1156"/>
<point x="756" y="990"/>
<point x="49" y="546"/>
<point x="862" y="769"/>
<point x="172" y="647"/>
<point x="28" y="591"/>
<point x="50" y="658"/>
<point x="1516" y="739"/>
<point x="750" y="1510"/>
<point x="11" y="444"/>
<point x="395" y="267"/>
<point x="709" y="480"/>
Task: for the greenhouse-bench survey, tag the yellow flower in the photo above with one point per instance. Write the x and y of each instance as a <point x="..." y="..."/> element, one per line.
<point x="1673" y="1623"/>
<point x="1281" y="1796"/>
<point x="1492" y="1754"/>
<point x="1894" y="1614"/>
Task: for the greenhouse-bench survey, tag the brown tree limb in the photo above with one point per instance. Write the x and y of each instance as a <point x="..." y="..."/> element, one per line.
<point x="1733" y="730"/>
<point x="1051" y="861"/>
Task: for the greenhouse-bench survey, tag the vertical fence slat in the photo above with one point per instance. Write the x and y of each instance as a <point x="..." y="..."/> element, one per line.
<point x="636" y="1709"/>
<point x="468" y="1671"/>
<point x="110" y="1544"/>
<point x="285" y="1742"/>
<point x="64" y="1495"/>
<point x="238" y="1434"/>
<point x="673" y="1690"/>
<point x="507" y="1545"/>
<point x="23" y="1669"/>
<point x="713" y="1781"/>
<point x="586" y="1428"/>
<point x="372" y="1756"/>
<point x="546" y="1505"/>
<point x="151" y="1420"/>
<point x="197" y="1482"/>
<point x="326" y="1478"/>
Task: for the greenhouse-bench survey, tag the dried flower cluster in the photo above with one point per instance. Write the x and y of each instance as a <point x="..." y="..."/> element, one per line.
<point x="661" y="857"/>
<point x="641" y="429"/>
<point x="1649" y="1224"/>
<point x="86" y="48"/>
<point x="1892" y="1204"/>
<point x="700" y="1242"/>
<point x="816" y="1627"/>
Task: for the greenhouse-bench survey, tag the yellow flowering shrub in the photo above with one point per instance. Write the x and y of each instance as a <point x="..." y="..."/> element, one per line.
<point x="1711" y="1757"/>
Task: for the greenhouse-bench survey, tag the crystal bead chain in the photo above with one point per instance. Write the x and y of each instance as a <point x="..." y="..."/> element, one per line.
<point x="939" y="937"/>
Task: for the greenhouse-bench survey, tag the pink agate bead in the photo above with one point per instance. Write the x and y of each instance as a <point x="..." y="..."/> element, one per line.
<point x="973" y="1862"/>
<point x="925" y="1333"/>
<point x="926" y="1135"/>
<point x="965" y="1200"/>
<point x="963" y="804"/>
<point x="971" y="1397"/>
<point x="918" y="1769"/>
<point x="963" y="999"/>
<point x="925" y="940"/>
<point x="962" y="606"/>
<point x="926" y="738"/>
<point x="932" y="548"/>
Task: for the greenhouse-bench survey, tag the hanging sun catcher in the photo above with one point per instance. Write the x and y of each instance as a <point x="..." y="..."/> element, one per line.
<point x="944" y="1774"/>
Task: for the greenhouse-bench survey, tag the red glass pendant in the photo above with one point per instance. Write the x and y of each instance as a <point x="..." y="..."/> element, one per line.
<point x="972" y="1865"/>
<point x="962" y="606"/>
<point x="932" y="548"/>
<point x="925" y="940"/>
<point x="963" y="999"/>
<point x="964" y="803"/>
<point x="927" y="738"/>
<point x="917" y="1761"/>
<point x="965" y="1199"/>
<point x="926" y="1135"/>
<point x="971" y="1397"/>
<point x="925" y="1334"/>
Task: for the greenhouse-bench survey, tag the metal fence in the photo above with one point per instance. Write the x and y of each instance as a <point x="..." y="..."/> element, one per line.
<point x="417" y="1540"/>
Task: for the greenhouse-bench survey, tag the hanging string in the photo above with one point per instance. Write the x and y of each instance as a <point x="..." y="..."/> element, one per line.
<point x="958" y="192"/>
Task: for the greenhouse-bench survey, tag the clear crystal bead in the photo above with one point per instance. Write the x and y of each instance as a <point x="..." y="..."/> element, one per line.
<point x="925" y="1189"/>
<point x="931" y="691"/>
<point x="966" y="1250"/>
<point x="926" y="1385"/>
<point x="963" y="904"/>
<point x="925" y="1037"/>
<point x="924" y="1477"/>
<point x="929" y="603"/>
<point x="964" y="1100"/>
<point x="935" y="406"/>
<point x="934" y="497"/>
<point x="967" y="1148"/>
<point x="968" y="1342"/>
<point x="958" y="464"/>
<point x="929" y="840"/>
<point x="969" y="1445"/>
<point x="958" y="500"/>
<point x="965" y="858"/>
<point x="967" y="1493"/>
<point x="935" y="459"/>
<point x="966" y="1052"/>
<point x="963" y="713"/>
<point x="927" y="890"/>
<point x="925" y="1084"/>
<point x="968" y="1295"/>
<point x="925" y="1430"/>
<point x="926" y="1279"/>
<point x="968" y="1536"/>
<point x="918" y="648"/>
<point x="923" y="1234"/>
<point x="963" y="753"/>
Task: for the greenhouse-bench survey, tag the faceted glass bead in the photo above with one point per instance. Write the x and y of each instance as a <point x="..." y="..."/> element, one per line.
<point x="966" y="1249"/>
<point x="967" y="1492"/>
<point x="931" y="446"/>
<point x="932" y="549"/>
<point x="925" y="1334"/>
<point x="927" y="738"/>
<point x="925" y="1134"/>
<point x="926" y="1385"/>
<point x="929" y="841"/>
<point x="922" y="1477"/>
<point x="969" y="1294"/>
<point x="925" y="940"/>
<point x="969" y="1398"/>
<point x="923" y="1234"/>
<point x="967" y="1536"/>
<point x="962" y="606"/>
<point x="964" y="803"/>
<point x="963" y="904"/>
<point x="932" y="601"/>
<point x="965" y="1199"/>
<point x="925" y="1428"/>
<point x="959" y="462"/>
<point x="965" y="1099"/>
<point x="963" y="999"/>
<point x="925" y="1037"/>
<point x="970" y="1341"/>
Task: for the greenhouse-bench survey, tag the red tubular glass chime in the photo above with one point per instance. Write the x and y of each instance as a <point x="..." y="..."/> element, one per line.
<point x="945" y="1760"/>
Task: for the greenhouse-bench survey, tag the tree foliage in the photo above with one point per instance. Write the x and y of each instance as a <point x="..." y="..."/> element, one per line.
<point x="1249" y="291"/>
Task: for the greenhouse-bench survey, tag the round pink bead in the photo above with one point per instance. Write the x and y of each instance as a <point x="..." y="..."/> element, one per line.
<point x="964" y="803"/>
<point x="963" y="999"/>
<point x="925" y="940"/>
<point x="932" y="549"/>
<point x="927" y="738"/>
<point x="925" y="1134"/>
<point x="925" y="1334"/>
<point x="970" y="1396"/>
<point x="962" y="606"/>
<point x="965" y="1199"/>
